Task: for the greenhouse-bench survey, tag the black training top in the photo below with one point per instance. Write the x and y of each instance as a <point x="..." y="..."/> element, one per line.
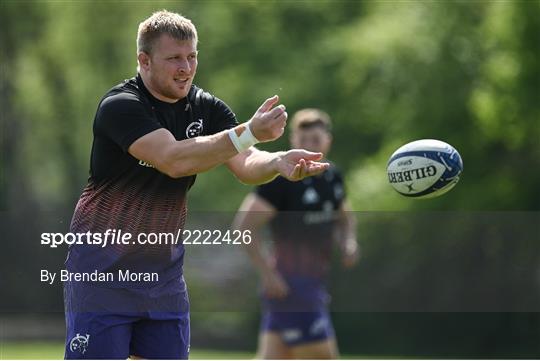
<point x="303" y="228"/>
<point x="124" y="193"/>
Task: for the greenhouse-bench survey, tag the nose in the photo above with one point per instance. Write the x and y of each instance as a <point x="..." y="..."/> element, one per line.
<point x="184" y="66"/>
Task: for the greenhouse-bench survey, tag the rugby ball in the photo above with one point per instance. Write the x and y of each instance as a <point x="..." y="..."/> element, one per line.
<point x="424" y="168"/>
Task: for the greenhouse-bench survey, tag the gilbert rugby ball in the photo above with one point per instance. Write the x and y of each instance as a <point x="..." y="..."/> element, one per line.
<point x="424" y="168"/>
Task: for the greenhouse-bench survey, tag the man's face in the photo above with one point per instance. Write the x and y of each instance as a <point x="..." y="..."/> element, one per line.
<point x="314" y="139"/>
<point x="170" y="68"/>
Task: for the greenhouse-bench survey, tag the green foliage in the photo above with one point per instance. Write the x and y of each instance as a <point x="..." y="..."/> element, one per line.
<point x="388" y="73"/>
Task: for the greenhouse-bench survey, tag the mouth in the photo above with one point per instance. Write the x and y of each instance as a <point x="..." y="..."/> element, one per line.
<point x="181" y="81"/>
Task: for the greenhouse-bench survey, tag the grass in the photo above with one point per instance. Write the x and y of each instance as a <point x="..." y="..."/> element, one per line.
<point x="31" y="350"/>
<point x="55" y="350"/>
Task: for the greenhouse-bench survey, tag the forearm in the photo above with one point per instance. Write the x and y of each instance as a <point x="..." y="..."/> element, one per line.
<point x="256" y="255"/>
<point x="255" y="166"/>
<point x="252" y="215"/>
<point x="347" y="224"/>
<point x="261" y="166"/>
<point x="196" y="155"/>
<point x="350" y="226"/>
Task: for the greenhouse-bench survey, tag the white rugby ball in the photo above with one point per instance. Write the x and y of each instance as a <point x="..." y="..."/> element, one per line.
<point x="424" y="168"/>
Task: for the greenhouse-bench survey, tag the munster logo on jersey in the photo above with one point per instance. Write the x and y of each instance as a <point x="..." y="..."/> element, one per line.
<point x="194" y="129"/>
<point x="310" y="196"/>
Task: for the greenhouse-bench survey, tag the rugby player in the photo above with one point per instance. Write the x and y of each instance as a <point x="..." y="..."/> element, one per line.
<point x="306" y="219"/>
<point x="152" y="134"/>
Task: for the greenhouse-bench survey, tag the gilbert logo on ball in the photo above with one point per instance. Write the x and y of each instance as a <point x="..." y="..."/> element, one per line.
<point x="424" y="168"/>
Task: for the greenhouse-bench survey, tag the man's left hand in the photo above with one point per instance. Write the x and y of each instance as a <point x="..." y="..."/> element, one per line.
<point x="297" y="164"/>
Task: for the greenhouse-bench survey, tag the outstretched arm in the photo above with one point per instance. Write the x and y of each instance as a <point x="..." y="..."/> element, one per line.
<point x="191" y="156"/>
<point x="256" y="167"/>
<point x="253" y="214"/>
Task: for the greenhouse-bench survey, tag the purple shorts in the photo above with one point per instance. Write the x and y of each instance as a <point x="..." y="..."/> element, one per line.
<point x="302" y="316"/>
<point x="298" y="327"/>
<point x="117" y="323"/>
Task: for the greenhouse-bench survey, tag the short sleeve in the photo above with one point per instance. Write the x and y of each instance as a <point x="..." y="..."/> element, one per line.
<point x="274" y="193"/>
<point x="222" y="117"/>
<point x="123" y="118"/>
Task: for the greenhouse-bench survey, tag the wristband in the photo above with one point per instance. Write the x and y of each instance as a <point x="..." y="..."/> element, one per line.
<point x="245" y="140"/>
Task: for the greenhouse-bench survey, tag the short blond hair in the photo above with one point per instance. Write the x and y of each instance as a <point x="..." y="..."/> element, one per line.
<point x="164" y="22"/>
<point x="311" y="117"/>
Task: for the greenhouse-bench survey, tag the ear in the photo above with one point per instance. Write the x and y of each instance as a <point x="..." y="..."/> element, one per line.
<point x="144" y="60"/>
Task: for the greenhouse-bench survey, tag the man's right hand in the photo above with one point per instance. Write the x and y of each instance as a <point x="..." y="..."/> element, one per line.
<point x="268" y="122"/>
<point x="274" y="286"/>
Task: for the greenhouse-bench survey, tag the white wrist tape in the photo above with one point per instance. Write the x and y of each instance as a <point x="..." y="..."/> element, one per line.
<point x="245" y="140"/>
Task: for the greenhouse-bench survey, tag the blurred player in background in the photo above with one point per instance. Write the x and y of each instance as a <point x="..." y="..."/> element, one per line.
<point x="306" y="220"/>
<point x="152" y="134"/>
